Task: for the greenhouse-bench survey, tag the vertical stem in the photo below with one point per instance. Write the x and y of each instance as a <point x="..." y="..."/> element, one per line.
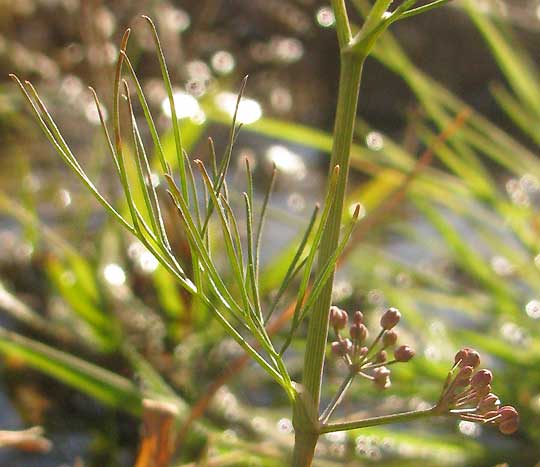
<point x="304" y="449"/>
<point x="351" y="68"/>
<point x="306" y="433"/>
<point x="349" y="84"/>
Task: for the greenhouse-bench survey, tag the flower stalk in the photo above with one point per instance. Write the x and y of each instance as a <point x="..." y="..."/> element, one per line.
<point x="349" y="85"/>
<point x="382" y="420"/>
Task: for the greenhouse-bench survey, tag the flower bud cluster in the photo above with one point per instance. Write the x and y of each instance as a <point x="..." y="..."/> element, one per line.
<point x="467" y="394"/>
<point x="369" y="360"/>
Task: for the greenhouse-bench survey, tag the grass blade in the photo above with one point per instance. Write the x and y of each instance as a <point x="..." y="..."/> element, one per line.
<point x="91" y="379"/>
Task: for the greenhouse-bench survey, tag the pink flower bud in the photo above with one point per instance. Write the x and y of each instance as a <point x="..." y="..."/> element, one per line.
<point x="341" y="348"/>
<point x="507" y="412"/>
<point x="338" y="317"/>
<point x="489" y="403"/>
<point x="483" y="391"/>
<point x="467" y="357"/>
<point x="404" y="353"/>
<point x="509" y="421"/>
<point x="389" y="338"/>
<point x="362" y="351"/>
<point x="460" y="356"/>
<point x="381" y="357"/>
<point x="358" y="332"/>
<point x="380" y="372"/>
<point x="509" y="427"/>
<point x="463" y="377"/>
<point x="381" y="377"/>
<point x="472" y="359"/>
<point x="390" y="318"/>
<point x="358" y="317"/>
<point x="481" y="378"/>
<point x="383" y="383"/>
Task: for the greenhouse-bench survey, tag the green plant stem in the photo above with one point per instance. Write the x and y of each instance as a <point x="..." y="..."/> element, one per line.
<point x="304" y="448"/>
<point x="349" y="84"/>
<point x="382" y="420"/>
<point x="318" y="328"/>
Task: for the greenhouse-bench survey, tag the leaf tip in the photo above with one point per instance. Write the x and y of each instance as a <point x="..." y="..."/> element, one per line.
<point x="15" y="78"/>
<point x="356" y="213"/>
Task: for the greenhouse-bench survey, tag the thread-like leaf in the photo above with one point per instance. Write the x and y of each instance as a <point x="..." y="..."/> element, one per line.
<point x="328" y="204"/>
<point x="176" y="128"/>
<point x="194" y="236"/>
<point x="74" y="167"/>
<point x="262" y="218"/>
<point x="251" y="266"/>
<point x="322" y="276"/>
<point x="234" y="258"/>
<point x="225" y="162"/>
<point x="145" y="179"/>
<point x="147" y="113"/>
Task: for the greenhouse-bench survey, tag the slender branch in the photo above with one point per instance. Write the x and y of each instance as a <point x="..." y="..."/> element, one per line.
<point x="462" y="411"/>
<point x="327" y="413"/>
<point x="378" y="365"/>
<point x="382" y="420"/>
<point x="374" y="18"/>
<point x="373" y="345"/>
<point x="343" y="27"/>
<point x="374" y="26"/>
<point x="365" y="375"/>
<point x="423" y="9"/>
